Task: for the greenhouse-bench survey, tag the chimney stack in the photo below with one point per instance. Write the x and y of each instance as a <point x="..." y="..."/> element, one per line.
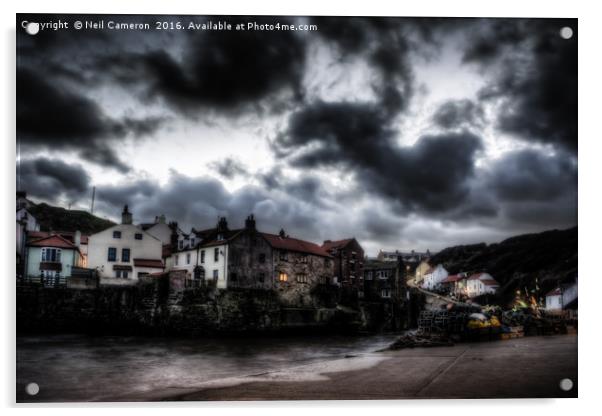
<point x="250" y="222"/>
<point x="282" y="234"/>
<point x="173" y="238"/>
<point x="222" y="225"/>
<point x="126" y="216"/>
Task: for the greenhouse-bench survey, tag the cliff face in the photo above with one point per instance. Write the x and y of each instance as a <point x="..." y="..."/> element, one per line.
<point x="550" y="256"/>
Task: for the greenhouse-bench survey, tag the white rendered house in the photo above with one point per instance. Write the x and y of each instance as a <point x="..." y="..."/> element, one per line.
<point x="123" y="253"/>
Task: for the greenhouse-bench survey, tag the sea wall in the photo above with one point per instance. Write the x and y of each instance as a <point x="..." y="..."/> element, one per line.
<point x="165" y="306"/>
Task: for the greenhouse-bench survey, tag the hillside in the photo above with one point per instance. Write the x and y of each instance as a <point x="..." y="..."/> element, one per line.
<point x="61" y="219"/>
<point x="550" y="256"/>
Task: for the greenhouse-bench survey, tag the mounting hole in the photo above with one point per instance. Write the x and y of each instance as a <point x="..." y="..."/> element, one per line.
<point x="566" y="384"/>
<point x="566" y="32"/>
<point x="32" y="389"/>
<point x="32" y="28"/>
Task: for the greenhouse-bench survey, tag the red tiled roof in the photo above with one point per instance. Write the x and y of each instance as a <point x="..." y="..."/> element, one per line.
<point x="294" y="244"/>
<point x="68" y="235"/>
<point x="52" y="241"/>
<point x="157" y="264"/>
<point x="329" y="245"/>
<point x="490" y="282"/>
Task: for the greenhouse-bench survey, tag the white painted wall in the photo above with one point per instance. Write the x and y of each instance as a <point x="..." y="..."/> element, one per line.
<point x="435" y="277"/>
<point x="161" y="231"/>
<point x="209" y="263"/>
<point x="149" y="248"/>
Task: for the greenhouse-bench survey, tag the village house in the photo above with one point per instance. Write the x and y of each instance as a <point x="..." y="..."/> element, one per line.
<point x="158" y="229"/>
<point x="434" y="276"/>
<point x="420" y="271"/>
<point x="382" y="279"/>
<point x="26" y="224"/>
<point x="248" y="258"/>
<point x="407" y="257"/>
<point x="348" y="261"/>
<point x="562" y="297"/>
<point x="123" y="253"/>
<point x="203" y="257"/>
<point x="480" y="284"/>
<point x="455" y="284"/>
<point x="52" y="259"/>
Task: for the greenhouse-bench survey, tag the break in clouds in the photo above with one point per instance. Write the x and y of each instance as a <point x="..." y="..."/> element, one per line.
<point x="406" y="133"/>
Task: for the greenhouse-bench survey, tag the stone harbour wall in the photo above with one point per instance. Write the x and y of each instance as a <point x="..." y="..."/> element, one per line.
<point x="164" y="306"/>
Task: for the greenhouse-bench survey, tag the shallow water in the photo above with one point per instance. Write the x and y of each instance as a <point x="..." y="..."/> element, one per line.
<point x="83" y="368"/>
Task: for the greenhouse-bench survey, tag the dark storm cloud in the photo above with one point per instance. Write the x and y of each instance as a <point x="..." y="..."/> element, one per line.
<point x="230" y="168"/>
<point x="220" y="71"/>
<point x="458" y="114"/>
<point x="54" y="117"/>
<point x="52" y="179"/>
<point x="431" y="175"/>
<point x="537" y="77"/>
<point x="529" y="175"/>
<point x="385" y="44"/>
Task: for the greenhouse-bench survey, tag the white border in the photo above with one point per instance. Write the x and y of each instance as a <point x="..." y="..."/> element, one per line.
<point x="590" y="22"/>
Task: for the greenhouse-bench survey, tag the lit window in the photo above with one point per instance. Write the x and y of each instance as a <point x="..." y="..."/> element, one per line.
<point x="283" y="277"/>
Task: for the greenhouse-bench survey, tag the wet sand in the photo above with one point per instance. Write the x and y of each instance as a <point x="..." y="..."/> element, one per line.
<point x="529" y="367"/>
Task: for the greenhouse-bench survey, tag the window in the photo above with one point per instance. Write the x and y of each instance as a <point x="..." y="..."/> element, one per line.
<point x="385" y="293"/>
<point x="283" y="255"/>
<point x="116" y="234"/>
<point x="121" y="274"/>
<point x="220" y="237"/>
<point x="215" y="274"/>
<point x="124" y="274"/>
<point x="283" y="277"/>
<point x="262" y="257"/>
<point x="192" y="240"/>
<point x="138" y="236"/>
<point x="302" y="278"/>
<point x="187" y="258"/>
<point x="125" y="255"/>
<point x="112" y="256"/>
<point x="202" y="256"/>
<point x="216" y="255"/>
<point x="180" y="244"/>
<point x="52" y="255"/>
<point x="118" y="274"/>
<point x="369" y="275"/>
<point x="233" y="277"/>
<point x="304" y="258"/>
<point x="177" y="259"/>
<point x="261" y="277"/>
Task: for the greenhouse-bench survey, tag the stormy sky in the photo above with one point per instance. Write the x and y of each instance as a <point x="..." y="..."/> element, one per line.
<point x="407" y="133"/>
